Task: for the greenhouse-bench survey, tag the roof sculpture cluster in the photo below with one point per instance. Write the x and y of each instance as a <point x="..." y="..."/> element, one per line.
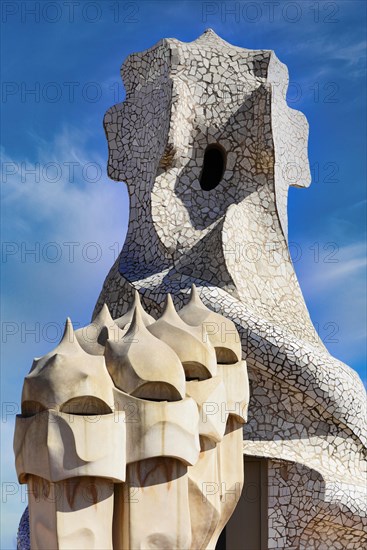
<point x="127" y="411"/>
<point x="187" y="103"/>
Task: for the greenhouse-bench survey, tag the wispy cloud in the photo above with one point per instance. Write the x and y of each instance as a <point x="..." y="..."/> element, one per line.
<point x="334" y="285"/>
<point x="343" y="265"/>
<point x="62" y="205"/>
<point x="66" y="186"/>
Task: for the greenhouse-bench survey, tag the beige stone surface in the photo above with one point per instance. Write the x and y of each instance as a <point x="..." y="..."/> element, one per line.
<point x="191" y="344"/>
<point x="94" y="336"/>
<point x="154" y="511"/>
<point x="220" y="331"/>
<point x="204" y="495"/>
<point x="58" y="446"/>
<point x="159" y="428"/>
<point x="76" y="514"/>
<point x="236" y="383"/>
<point x="230" y="473"/>
<point x="144" y="366"/>
<point x="211" y="397"/>
<point x="68" y="378"/>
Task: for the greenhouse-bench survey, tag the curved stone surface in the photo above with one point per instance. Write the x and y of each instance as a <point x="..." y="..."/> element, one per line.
<point x="221" y="331"/>
<point x="68" y="378"/>
<point x="144" y="366"/>
<point x="94" y="336"/>
<point x="191" y="344"/>
<point x="68" y="446"/>
<point x="160" y="428"/>
<point x="210" y="396"/>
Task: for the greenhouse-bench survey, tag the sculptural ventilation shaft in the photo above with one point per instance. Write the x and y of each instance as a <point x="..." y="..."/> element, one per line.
<point x="131" y="432"/>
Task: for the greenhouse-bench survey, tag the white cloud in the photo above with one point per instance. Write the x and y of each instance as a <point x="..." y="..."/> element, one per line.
<point x="70" y="200"/>
<point x="338" y="267"/>
<point x="70" y="191"/>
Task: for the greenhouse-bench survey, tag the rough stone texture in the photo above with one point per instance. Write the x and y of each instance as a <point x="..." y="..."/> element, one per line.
<point x="23" y="538"/>
<point x="303" y="514"/>
<point x="119" y="444"/>
<point x="307" y="407"/>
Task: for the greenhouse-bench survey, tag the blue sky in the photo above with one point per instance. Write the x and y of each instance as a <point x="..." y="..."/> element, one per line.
<point x="74" y="218"/>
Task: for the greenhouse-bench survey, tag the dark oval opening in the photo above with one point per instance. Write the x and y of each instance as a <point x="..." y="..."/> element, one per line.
<point x="214" y="165"/>
<point x="86" y="405"/>
<point x="226" y="356"/>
